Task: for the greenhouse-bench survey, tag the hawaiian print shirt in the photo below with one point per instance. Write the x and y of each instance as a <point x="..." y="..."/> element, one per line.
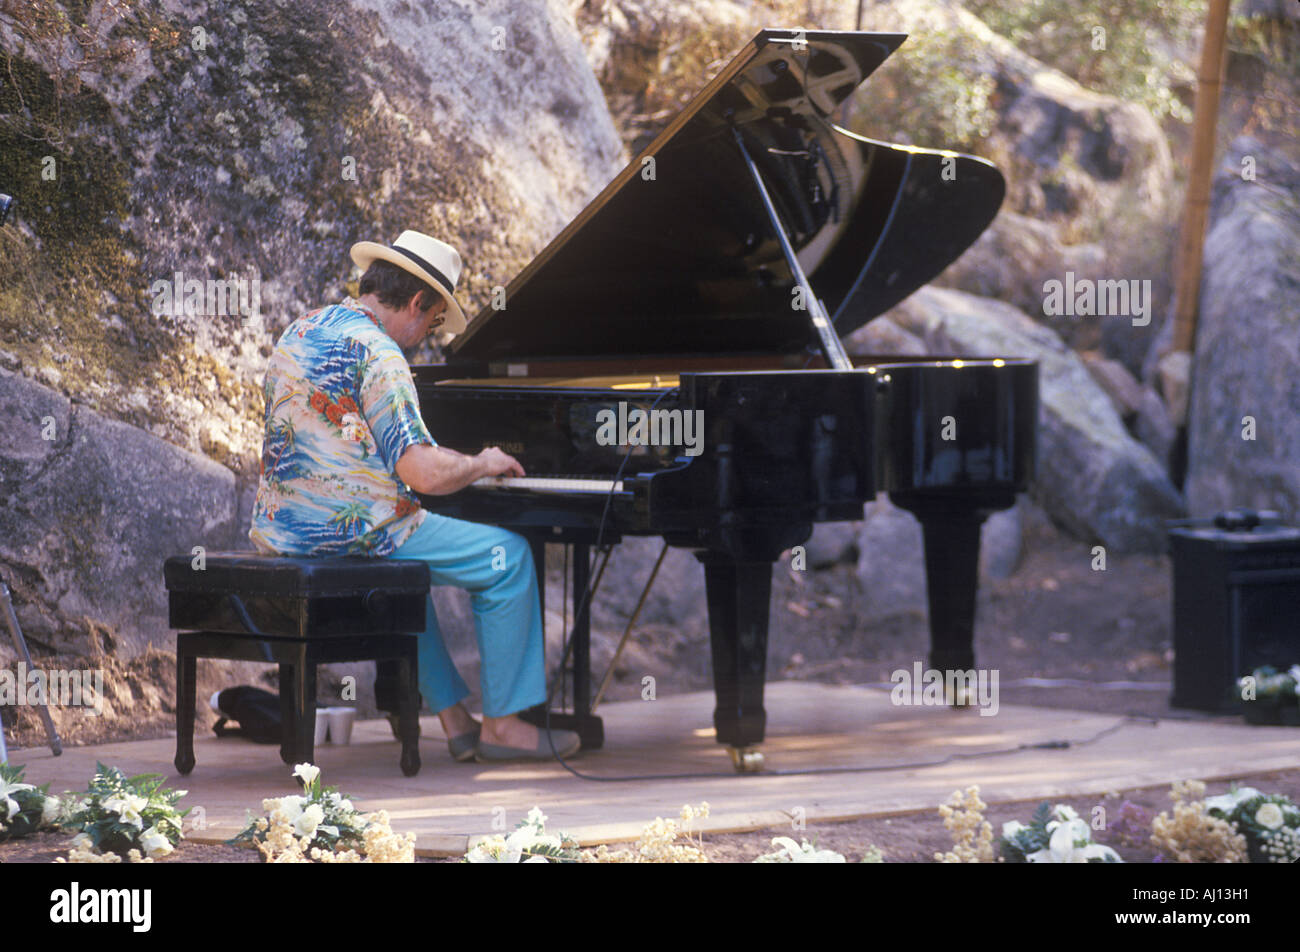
<point x="341" y="409"/>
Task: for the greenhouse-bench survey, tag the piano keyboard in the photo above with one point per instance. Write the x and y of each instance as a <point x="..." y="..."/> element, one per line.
<point x="553" y="484"/>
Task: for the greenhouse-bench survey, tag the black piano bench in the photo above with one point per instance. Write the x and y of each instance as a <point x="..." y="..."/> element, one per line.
<point x="298" y="613"/>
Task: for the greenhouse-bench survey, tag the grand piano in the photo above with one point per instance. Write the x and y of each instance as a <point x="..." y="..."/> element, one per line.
<point x="710" y="283"/>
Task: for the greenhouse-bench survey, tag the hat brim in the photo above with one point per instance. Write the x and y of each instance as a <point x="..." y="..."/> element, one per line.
<point x="366" y="252"/>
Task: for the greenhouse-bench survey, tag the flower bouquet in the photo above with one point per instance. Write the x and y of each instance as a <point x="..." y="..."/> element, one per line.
<point x="1276" y="697"/>
<point x="122" y="815"/>
<point x="529" y="843"/>
<point x="322" y="819"/>
<point x="24" y="808"/>
<point x="1270" y="822"/>
<point x="1054" y="835"/>
<point x="788" y="851"/>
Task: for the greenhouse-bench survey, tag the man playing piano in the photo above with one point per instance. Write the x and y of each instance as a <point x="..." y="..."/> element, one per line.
<point x="343" y="447"/>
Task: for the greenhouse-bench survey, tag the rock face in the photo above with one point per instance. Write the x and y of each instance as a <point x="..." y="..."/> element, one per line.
<point x="255" y="140"/>
<point x="263" y="140"/>
<point x="91" y="508"/>
<point x="1247" y="362"/>
<point x="1093" y="478"/>
<point x="1269" y="9"/>
<point x="1012" y="261"/>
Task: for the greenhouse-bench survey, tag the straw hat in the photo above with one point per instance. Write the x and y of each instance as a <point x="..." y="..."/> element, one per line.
<point x="433" y="261"/>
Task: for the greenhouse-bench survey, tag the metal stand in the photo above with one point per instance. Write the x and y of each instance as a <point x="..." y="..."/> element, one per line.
<point x="20" y="645"/>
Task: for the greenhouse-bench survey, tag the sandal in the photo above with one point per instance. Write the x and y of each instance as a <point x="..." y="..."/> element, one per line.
<point x="465" y="746"/>
<point x="567" y="743"/>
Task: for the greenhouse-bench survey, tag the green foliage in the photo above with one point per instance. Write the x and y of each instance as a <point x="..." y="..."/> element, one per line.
<point x="24" y="808"/>
<point x="931" y="94"/>
<point x="120" y="813"/>
<point x="1131" y="59"/>
<point x="1028" y="839"/>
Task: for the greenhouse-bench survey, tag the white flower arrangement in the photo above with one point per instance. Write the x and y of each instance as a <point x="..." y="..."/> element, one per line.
<point x="124" y="816"/>
<point x="1269" y="822"/>
<point x="1054" y="835"/>
<point x="791" y="852"/>
<point x="1276" y="691"/>
<point x="323" y="825"/>
<point x="530" y="840"/>
<point x="24" y="807"/>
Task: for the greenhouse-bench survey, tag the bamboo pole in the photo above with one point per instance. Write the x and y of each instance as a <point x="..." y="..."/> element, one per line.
<point x="1196" y="207"/>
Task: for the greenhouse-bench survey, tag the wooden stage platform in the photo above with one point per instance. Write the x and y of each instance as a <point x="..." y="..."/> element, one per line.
<point x="918" y="756"/>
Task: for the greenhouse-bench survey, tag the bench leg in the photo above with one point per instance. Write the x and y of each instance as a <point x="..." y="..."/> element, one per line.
<point x="298" y="708"/>
<point x="408" y="718"/>
<point x="186" y="688"/>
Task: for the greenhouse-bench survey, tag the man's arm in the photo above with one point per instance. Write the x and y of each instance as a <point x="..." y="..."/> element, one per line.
<point x="437" y="470"/>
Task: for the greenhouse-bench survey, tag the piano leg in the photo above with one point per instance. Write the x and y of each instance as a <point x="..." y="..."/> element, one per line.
<point x="739" y="596"/>
<point x="951" y="532"/>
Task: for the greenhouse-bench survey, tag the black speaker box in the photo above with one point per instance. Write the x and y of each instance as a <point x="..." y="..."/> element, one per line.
<point x="1236" y="596"/>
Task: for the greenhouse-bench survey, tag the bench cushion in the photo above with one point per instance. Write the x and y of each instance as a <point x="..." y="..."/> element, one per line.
<point x="295" y="596"/>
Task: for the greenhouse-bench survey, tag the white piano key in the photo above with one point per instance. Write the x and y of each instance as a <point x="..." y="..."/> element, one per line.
<point x="554" y="485"/>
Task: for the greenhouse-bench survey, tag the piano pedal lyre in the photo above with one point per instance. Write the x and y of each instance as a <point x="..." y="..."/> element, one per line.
<point x="746" y="759"/>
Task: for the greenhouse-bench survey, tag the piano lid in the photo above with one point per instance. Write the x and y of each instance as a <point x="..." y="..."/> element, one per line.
<point x="678" y="257"/>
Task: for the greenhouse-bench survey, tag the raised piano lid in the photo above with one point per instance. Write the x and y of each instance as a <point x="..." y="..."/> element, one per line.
<point x="676" y="257"/>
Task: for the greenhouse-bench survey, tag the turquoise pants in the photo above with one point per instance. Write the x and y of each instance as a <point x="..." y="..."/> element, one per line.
<point x="496" y="567"/>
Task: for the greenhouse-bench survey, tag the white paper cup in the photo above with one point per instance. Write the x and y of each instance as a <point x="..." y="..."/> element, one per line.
<point x="322" y="724"/>
<point x="340" y="720"/>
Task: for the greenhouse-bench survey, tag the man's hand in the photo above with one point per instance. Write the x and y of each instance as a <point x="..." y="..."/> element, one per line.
<point x="497" y="463"/>
<point x="438" y="471"/>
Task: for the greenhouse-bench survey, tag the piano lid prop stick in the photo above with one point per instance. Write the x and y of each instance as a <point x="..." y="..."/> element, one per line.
<point x="636" y="612"/>
<point x="831" y="347"/>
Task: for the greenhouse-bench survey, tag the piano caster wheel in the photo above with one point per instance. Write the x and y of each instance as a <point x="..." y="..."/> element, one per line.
<point x="746" y="759"/>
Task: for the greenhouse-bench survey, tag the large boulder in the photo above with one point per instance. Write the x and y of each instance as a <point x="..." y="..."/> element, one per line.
<point x="1015" y="257"/>
<point x="1093" y="477"/>
<point x="1089" y="176"/>
<point x="891" y="556"/>
<point x="89" y="509"/>
<point x="255" y="140"/>
<point x="1071" y="155"/>
<point x="1244" y="421"/>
